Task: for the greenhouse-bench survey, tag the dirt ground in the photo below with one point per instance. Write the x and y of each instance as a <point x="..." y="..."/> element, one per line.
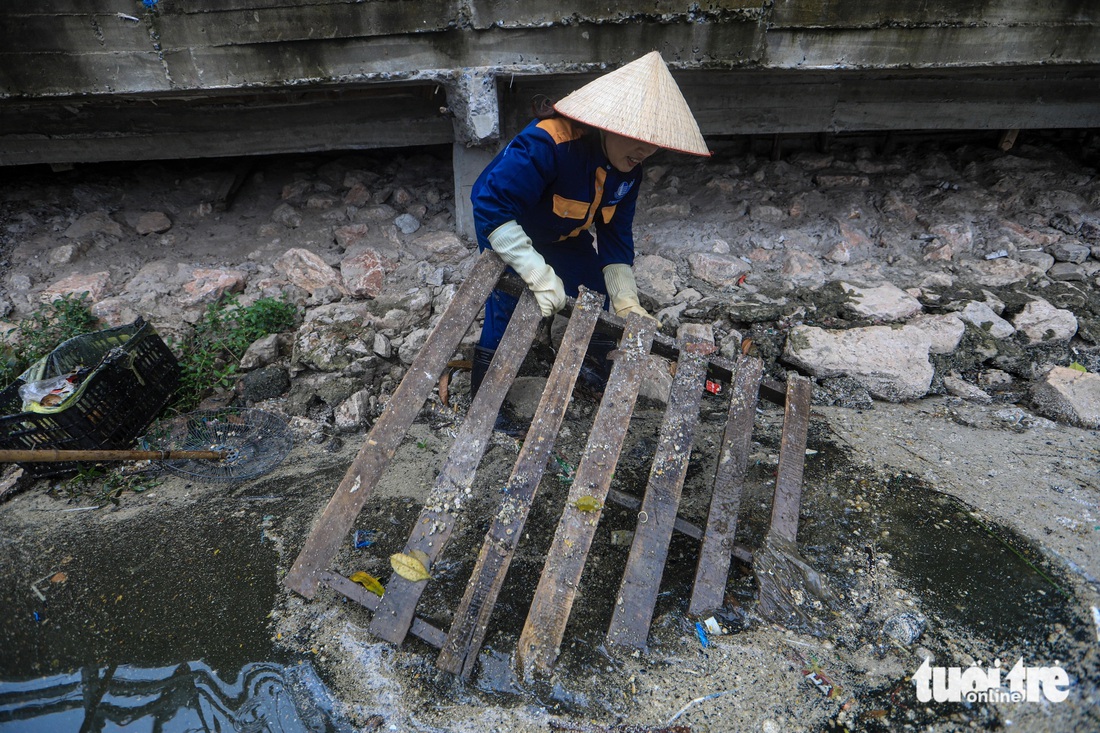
<point x="978" y="529"/>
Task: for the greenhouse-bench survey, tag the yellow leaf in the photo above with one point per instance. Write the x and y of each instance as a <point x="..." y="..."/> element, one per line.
<point x="588" y="504"/>
<point x="421" y="556"/>
<point x="1078" y="367"/>
<point x="369" y="582"/>
<point x="408" y="567"/>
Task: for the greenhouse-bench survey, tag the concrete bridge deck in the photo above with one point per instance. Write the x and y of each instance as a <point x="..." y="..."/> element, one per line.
<point x="95" y="80"/>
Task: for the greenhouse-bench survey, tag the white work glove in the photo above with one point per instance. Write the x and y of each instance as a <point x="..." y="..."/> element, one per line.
<point x="623" y="290"/>
<point x="514" y="247"/>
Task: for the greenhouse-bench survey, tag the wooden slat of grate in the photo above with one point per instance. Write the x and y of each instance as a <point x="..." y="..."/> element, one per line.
<point x="362" y="596"/>
<point x="645" y="565"/>
<point x="544" y="628"/>
<point x="713" y="567"/>
<point x="459" y="653"/>
<point x="792" y="458"/>
<point x="433" y="528"/>
<point x="383" y="439"/>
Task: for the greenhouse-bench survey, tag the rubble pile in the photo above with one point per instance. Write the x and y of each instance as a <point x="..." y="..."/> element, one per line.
<point x="945" y="267"/>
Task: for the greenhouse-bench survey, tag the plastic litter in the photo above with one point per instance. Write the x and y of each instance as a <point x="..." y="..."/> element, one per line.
<point x="701" y="632"/>
<point x="364" y="538"/>
<point x="48" y="392"/>
<point x="696" y="701"/>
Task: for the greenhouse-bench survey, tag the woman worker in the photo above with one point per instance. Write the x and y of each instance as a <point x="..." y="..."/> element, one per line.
<point x="575" y="167"/>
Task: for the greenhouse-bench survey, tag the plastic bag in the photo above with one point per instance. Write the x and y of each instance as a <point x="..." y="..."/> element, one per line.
<point x="48" y="392"/>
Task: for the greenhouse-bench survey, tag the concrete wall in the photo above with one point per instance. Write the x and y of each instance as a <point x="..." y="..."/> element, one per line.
<point x="78" y="68"/>
<point x="85" y="80"/>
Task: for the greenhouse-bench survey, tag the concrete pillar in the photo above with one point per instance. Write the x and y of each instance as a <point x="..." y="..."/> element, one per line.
<point x="475" y="107"/>
<point x="468" y="163"/>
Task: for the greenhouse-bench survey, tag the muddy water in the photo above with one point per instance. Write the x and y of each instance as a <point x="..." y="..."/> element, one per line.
<point x="173" y="606"/>
<point x="891" y="548"/>
<point x="162" y="622"/>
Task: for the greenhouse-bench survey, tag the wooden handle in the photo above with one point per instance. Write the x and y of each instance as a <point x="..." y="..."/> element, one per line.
<point x="52" y="455"/>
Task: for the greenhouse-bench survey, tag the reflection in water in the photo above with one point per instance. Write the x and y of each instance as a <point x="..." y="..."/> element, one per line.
<point x="187" y="697"/>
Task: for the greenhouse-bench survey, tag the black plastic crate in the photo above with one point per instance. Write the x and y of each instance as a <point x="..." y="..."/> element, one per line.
<point x="134" y="374"/>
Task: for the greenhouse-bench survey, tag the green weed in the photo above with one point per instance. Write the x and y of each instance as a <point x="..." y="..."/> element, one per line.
<point x="101" y="485"/>
<point x="221" y="337"/>
<point x="41" y="332"/>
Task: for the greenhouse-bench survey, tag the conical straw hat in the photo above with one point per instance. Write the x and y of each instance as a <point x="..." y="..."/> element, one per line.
<point x="639" y="101"/>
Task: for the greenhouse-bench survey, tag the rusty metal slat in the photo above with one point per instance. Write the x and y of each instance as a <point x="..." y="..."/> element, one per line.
<point x="718" y="368"/>
<point x="713" y="567"/>
<point x="681" y="525"/>
<point x="638" y="591"/>
<point x="459" y="653"/>
<point x="433" y="528"/>
<point x="792" y="459"/>
<point x="383" y="439"/>
<point x="362" y="596"/>
<point x="544" y="628"/>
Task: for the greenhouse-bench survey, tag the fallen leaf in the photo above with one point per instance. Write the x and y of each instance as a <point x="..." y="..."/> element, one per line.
<point x="1078" y="367"/>
<point x="588" y="504"/>
<point x="59" y="577"/>
<point x="369" y="582"/>
<point x="408" y="567"/>
<point x="422" y="557"/>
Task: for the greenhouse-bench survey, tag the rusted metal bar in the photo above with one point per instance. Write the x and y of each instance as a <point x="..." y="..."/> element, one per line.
<point x="637" y="596"/>
<point x="792" y="459"/>
<point x="712" y="570"/>
<point x="432" y="530"/>
<point x="355" y="592"/>
<point x="384" y="438"/>
<point x="459" y="653"/>
<point x="544" y="628"/>
<point x="681" y="525"/>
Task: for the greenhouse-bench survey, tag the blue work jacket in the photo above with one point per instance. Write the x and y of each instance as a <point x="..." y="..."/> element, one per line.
<point x="557" y="184"/>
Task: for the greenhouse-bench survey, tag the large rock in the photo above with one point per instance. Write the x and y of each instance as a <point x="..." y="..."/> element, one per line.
<point x="883" y="303"/>
<point x="308" y="271"/>
<point x="656" y="275"/>
<point x="892" y="363"/>
<point x="1000" y="272"/>
<point x="444" y="248"/>
<point x="945" y="330"/>
<point x="332" y="337"/>
<point x="94" y="284"/>
<point x="802" y="270"/>
<point x="1040" y="321"/>
<point x="209" y="285"/>
<point x="983" y="317"/>
<point x="98" y="222"/>
<point x="152" y="222"/>
<point x="717" y="269"/>
<point x="364" y="274"/>
<point x="1069" y="396"/>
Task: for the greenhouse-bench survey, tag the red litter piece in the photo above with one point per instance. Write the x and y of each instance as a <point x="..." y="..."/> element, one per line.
<point x="713" y="387"/>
